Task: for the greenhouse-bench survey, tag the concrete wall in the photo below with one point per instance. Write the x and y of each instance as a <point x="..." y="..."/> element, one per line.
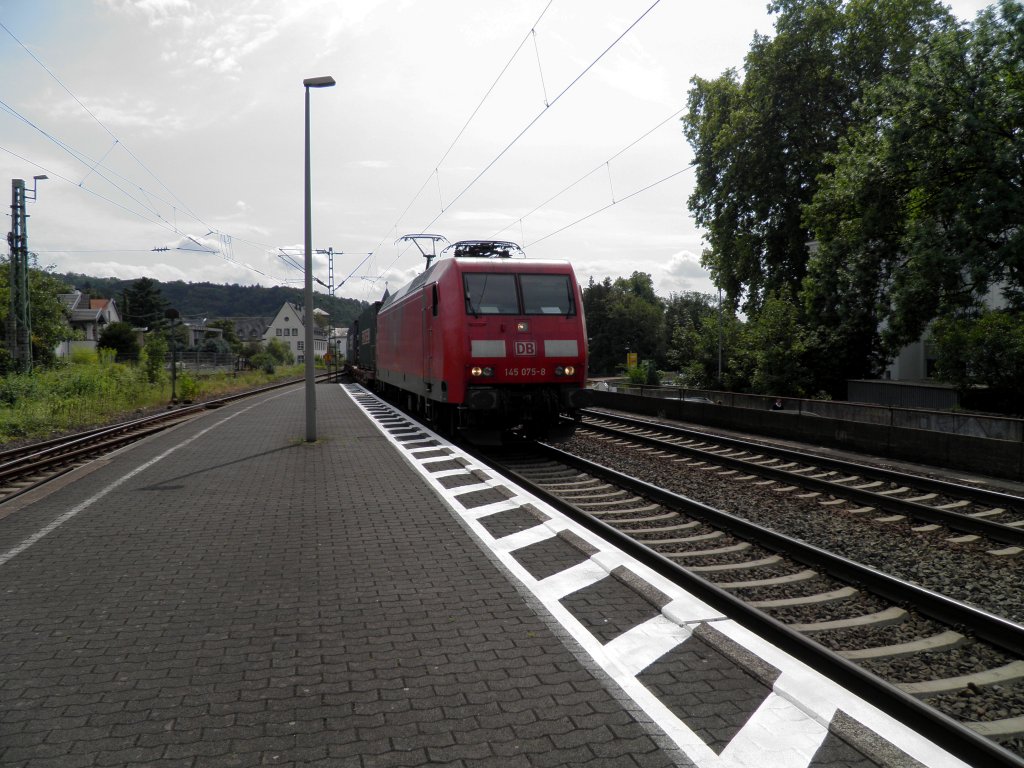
<point x="995" y="457"/>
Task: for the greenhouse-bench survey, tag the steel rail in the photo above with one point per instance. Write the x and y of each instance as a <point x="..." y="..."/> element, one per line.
<point x="981" y="495"/>
<point x="941" y="729"/>
<point x="1000" y="532"/>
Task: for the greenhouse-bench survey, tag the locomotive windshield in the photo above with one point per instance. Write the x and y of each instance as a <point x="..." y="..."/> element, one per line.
<point x="489" y="293"/>
<point x="546" y="294"/>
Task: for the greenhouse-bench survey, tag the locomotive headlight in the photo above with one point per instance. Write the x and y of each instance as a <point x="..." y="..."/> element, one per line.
<point x="476" y="370"/>
<point x="522" y="326"/>
<point x="569" y="370"/>
<point x="488" y="371"/>
<point x="559" y="371"/>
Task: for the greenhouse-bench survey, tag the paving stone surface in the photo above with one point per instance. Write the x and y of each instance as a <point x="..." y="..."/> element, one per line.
<point x="251" y="599"/>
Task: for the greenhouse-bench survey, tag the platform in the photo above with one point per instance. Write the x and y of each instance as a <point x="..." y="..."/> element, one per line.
<point x="226" y="594"/>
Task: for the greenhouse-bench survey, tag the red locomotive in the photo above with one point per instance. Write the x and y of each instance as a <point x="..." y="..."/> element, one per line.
<point x="483" y="342"/>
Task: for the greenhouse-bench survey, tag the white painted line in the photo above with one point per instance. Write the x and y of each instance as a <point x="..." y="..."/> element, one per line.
<point x="564" y="583"/>
<point x="448" y="472"/>
<point x="522" y="539"/>
<point x="777" y="735"/>
<point x="640" y="646"/>
<point x="59" y="521"/>
<point x="462" y="490"/>
<point x="820" y="697"/>
<point x="487" y="510"/>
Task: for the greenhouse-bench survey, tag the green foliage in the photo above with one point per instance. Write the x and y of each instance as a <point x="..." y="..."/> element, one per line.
<point x="121" y="338"/>
<point x="280" y="352"/>
<point x="74" y="396"/>
<point x="924" y="207"/>
<point x="761" y="144"/>
<point x="263" y="361"/>
<point x="624" y="316"/>
<point x="644" y="373"/>
<point x="188" y="387"/>
<point x="213" y="300"/>
<point x="49" y="319"/>
<point x="229" y="335"/>
<point x="142" y="303"/>
<point x="84" y="356"/>
<point x="153" y="357"/>
<point x="215" y="346"/>
<point x="985" y="350"/>
<point x="776" y="350"/>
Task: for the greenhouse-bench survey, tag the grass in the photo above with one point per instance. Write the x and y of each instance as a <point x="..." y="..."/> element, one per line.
<point x="88" y="394"/>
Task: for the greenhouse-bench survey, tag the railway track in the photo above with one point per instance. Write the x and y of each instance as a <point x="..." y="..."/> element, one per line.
<point x="902" y="661"/>
<point x="967" y="511"/>
<point x="949" y="656"/>
<point x="26" y="467"/>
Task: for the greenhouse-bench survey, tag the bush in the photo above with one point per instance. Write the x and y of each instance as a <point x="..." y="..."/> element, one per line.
<point x="188" y="387"/>
<point x="263" y="361"/>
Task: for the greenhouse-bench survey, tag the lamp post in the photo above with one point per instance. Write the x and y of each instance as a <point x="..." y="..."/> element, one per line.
<point x="312" y="82"/>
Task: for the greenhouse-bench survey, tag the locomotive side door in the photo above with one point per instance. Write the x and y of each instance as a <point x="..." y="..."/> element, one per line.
<point x="430" y="307"/>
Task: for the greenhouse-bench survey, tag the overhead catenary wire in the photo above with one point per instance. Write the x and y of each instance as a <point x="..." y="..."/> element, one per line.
<point x="101" y="124"/>
<point x="588" y="174"/>
<point x="543" y="112"/>
<point x="154" y="217"/>
<point x="469" y="120"/>
<point x="532" y="122"/>
<point x="610" y="205"/>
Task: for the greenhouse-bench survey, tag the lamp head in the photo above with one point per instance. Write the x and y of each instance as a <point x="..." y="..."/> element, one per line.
<point x="319" y="82"/>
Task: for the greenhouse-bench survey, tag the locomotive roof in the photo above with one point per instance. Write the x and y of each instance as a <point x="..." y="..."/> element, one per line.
<point x="488" y="264"/>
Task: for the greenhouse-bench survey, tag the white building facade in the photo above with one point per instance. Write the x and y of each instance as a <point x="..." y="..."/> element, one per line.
<point x="288" y="327"/>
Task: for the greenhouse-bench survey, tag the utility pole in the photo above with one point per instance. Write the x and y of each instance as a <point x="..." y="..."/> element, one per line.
<point x="19" y="323"/>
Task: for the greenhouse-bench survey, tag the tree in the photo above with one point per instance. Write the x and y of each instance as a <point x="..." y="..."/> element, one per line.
<point x="143" y="305"/>
<point x="684" y="316"/>
<point x="624" y="316"/>
<point x="153" y="357"/>
<point x="921" y="217"/>
<point x="761" y="144"/>
<point x="280" y="352"/>
<point x="229" y="335"/>
<point x="49" y="317"/>
<point x="121" y="338"/>
<point x="987" y="351"/>
<point x="776" y="349"/>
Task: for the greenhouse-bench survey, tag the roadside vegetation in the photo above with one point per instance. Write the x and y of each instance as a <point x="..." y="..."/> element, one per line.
<point x="93" y="390"/>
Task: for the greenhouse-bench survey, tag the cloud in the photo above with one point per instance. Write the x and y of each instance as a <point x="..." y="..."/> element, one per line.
<point x="375" y="164"/>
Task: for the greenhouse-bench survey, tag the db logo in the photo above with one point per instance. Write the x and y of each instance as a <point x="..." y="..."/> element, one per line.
<point x="526" y="348"/>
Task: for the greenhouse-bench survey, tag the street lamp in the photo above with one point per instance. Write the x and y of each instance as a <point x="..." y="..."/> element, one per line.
<point x="312" y="82"/>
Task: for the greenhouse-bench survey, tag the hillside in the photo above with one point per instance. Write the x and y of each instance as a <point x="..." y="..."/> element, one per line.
<point x="215" y="301"/>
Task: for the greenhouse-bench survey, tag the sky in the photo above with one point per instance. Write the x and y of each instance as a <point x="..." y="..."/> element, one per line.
<point x="172" y="133"/>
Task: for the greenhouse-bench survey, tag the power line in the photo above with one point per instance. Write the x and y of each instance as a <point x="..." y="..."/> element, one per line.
<point x="100" y="123"/>
<point x="539" y="116"/>
<point x="606" y="207"/>
<point x="533" y="122"/>
<point x="469" y="120"/>
<point x="590" y="173"/>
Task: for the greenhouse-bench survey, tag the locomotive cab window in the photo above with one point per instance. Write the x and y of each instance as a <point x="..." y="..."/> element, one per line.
<point x="490" y="294"/>
<point x="546" y="295"/>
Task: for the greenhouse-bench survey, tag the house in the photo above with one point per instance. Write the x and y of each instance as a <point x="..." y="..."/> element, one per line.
<point x="87" y="316"/>
<point x="288" y="327"/>
<point x="250" y="329"/>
